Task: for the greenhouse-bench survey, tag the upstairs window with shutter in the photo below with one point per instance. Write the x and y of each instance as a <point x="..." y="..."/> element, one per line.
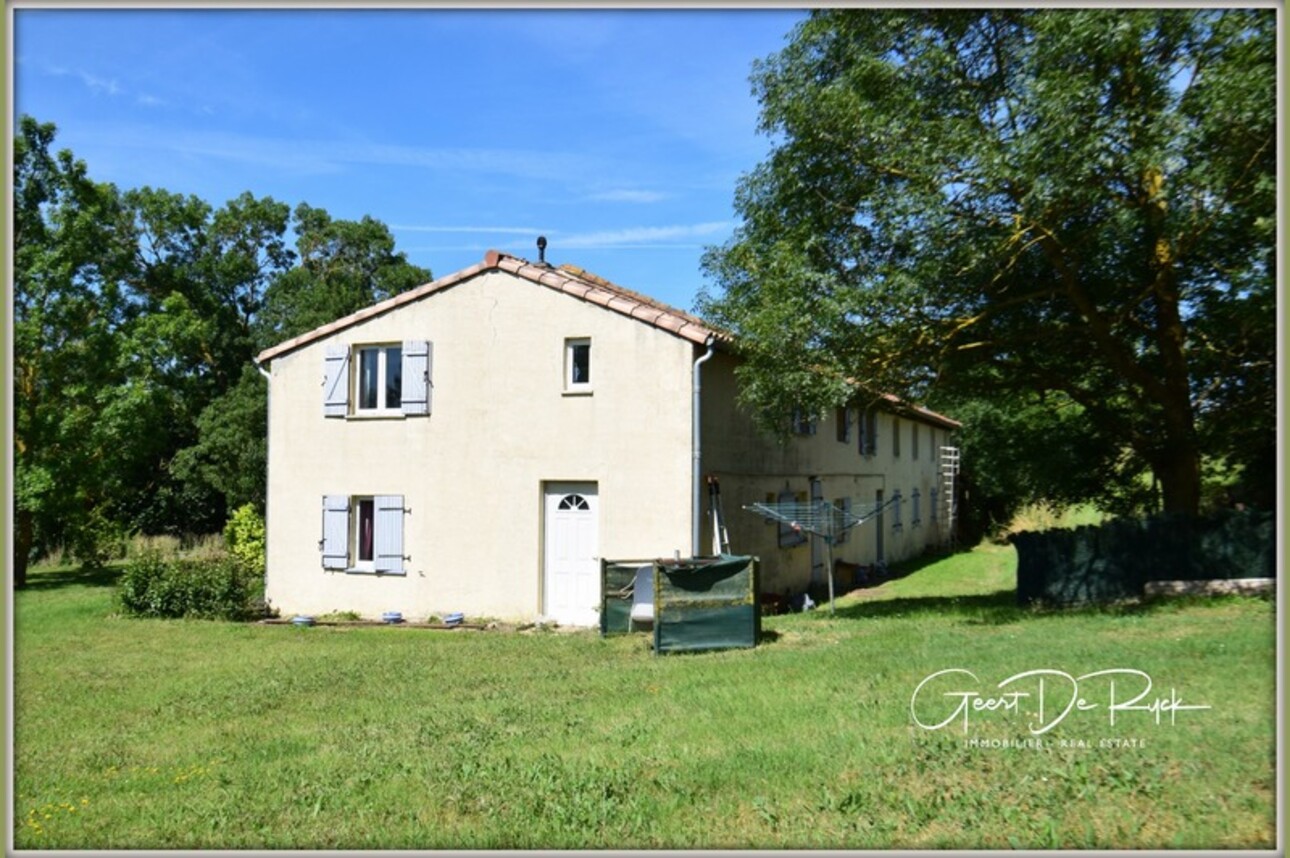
<point x="379" y="380"/>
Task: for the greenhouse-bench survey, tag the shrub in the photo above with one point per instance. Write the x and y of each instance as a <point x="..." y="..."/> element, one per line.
<point x="153" y="585"/>
<point x="97" y="540"/>
<point x="244" y="536"/>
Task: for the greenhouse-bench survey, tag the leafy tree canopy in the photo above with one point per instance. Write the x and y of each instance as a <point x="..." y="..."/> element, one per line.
<point x="136" y="317"/>
<point x="1012" y="203"/>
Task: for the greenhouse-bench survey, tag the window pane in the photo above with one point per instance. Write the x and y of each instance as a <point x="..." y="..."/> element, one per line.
<point x="394" y="377"/>
<point x="366" y="527"/>
<point x="580" y="363"/>
<point x="368" y="373"/>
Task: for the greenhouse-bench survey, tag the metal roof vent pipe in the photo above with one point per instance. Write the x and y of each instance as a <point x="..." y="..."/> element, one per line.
<point x="541" y="242"/>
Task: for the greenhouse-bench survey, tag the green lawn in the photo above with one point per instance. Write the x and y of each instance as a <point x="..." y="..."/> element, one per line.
<point x="182" y="734"/>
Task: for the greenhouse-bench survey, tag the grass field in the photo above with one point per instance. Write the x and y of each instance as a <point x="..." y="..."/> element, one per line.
<point x="183" y="734"/>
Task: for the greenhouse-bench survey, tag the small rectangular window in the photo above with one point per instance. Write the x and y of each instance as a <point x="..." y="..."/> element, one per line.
<point x="577" y="364"/>
<point x="914" y="429"/>
<point x="895" y="436"/>
<point x="844" y="425"/>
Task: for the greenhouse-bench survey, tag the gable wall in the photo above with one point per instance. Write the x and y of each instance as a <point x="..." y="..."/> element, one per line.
<point x="472" y="472"/>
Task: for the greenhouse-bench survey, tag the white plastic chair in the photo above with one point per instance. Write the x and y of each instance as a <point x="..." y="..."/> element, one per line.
<point x="642" y="597"/>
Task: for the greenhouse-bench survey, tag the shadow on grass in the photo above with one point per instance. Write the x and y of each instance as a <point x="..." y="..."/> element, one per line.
<point x="77" y="576"/>
<point x="1000" y="607"/>
<point x="991" y="609"/>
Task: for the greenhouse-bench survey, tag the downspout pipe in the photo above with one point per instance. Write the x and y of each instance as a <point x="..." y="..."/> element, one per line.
<point x="268" y="411"/>
<point x="696" y="439"/>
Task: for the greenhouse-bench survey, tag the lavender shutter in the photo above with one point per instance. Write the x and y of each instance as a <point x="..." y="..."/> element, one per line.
<point x="334" y="544"/>
<point x="418" y="364"/>
<point x="387" y="553"/>
<point x="336" y="381"/>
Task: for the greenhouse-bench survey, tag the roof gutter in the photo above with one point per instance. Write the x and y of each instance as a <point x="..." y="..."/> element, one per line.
<point x="696" y="438"/>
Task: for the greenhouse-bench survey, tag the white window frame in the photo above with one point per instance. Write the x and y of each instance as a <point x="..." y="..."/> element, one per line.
<point x="383" y="408"/>
<point x="571" y="344"/>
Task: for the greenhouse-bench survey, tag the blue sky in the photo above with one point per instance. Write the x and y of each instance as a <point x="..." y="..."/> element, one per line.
<point x="618" y="134"/>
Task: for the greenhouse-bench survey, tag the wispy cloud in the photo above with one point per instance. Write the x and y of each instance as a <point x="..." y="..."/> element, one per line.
<point x="624" y="195"/>
<point x="94" y="83"/>
<point x="642" y="236"/>
<point x="323" y="156"/>
<point x="499" y="230"/>
<point x="681" y="235"/>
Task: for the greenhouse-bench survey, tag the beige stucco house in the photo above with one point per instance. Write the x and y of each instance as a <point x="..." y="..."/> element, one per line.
<point x="478" y="443"/>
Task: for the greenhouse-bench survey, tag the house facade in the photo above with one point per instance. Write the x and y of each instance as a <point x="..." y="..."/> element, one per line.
<point x="478" y="443"/>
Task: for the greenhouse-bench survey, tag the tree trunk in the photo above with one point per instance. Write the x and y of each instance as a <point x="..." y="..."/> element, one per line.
<point x="21" y="546"/>
<point x="1179" y="473"/>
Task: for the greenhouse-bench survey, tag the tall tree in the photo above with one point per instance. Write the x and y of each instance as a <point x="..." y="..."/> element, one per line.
<point x="136" y="317"/>
<point x="1013" y="202"/>
<point x="71" y="246"/>
<point x="343" y="266"/>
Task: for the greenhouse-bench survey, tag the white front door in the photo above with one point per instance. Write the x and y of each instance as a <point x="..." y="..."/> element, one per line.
<point x="571" y="592"/>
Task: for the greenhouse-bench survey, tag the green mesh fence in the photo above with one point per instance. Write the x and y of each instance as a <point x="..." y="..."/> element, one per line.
<point x="706" y="603"/>
<point x="1117" y="559"/>
<point x="616" y="594"/>
<point x="698" y="603"/>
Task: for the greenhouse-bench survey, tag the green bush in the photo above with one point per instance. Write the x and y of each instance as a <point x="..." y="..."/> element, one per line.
<point x="244" y="536"/>
<point x="225" y="588"/>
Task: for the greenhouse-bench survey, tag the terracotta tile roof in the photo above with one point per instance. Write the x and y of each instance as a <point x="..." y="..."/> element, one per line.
<point x="581" y="284"/>
<point x="900" y="406"/>
<point x="568" y="279"/>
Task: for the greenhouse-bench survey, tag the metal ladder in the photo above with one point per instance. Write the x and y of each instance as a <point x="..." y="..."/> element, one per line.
<point x="949" y="500"/>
